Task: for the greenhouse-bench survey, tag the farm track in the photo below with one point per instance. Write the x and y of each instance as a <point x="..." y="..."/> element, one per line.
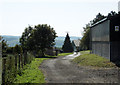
<point x="62" y="70"/>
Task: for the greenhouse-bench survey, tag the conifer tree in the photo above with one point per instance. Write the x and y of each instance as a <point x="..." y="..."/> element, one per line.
<point x="67" y="46"/>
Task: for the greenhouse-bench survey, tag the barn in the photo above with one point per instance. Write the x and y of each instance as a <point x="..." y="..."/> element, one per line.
<point x="105" y="38"/>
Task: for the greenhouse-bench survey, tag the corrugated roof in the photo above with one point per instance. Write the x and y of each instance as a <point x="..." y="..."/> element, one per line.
<point x="107" y="18"/>
<point x="99" y="22"/>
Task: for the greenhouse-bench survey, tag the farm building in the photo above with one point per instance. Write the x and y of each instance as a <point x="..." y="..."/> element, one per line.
<point x="76" y="45"/>
<point x="105" y="38"/>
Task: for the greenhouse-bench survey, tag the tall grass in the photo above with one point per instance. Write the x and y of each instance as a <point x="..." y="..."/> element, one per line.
<point x="31" y="73"/>
<point x="10" y="69"/>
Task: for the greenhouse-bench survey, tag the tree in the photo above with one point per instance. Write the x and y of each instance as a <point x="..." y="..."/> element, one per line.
<point x="17" y="49"/>
<point x="10" y="50"/>
<point x="98" y="17"/>
<point x="38" y="38"/>
<point x="85" y="41"/>
<point x="24" y="38"/>
<point x="112" y="13"/>
<point x="67" y="46"/>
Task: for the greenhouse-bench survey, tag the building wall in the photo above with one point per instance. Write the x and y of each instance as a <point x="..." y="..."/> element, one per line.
<point x="101" y="31"/>
<point x="101" y="49"/>
<point x="100" y="39"/>
<point x="115" y="35"/>
<point x="115" y="51"/>
<point x="105" y="40"/>
<point x="115" y="38"/>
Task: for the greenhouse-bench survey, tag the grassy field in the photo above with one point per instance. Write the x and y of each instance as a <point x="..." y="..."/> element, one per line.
<point x="31" y="73"/>
<point x="87" y="59"/>
<point x="85" y="52"/>
<point x="64" y="54"/>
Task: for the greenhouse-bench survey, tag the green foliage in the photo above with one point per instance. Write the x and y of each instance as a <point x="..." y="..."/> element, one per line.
<point x="9" y="68"/>
<point x="112" y="13"/>
<point x="24" y="38"/>
<point x="85" y="41"/>
<point x="99" y="17"/>
<point x="10" y="71"/>
<point x="10" y="50"/>
<point x="31" y="73"/>
<point x="93" y="60"/>
<point x="67" y="46"/>
<point x="84" y="52"/>
<point x="64" y="54"/>
<point x="17" y="49"/>
<point x="4" y="48"/>
<point x="38" y="38"/>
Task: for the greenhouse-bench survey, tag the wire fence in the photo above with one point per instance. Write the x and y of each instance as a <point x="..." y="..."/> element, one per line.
<point x="13" y="65"/>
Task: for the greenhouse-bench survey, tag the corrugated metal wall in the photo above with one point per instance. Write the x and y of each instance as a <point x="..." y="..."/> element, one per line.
<point x="100" y="39"/>
<point x="101" y="49"/>
<point x="101" y="31"/>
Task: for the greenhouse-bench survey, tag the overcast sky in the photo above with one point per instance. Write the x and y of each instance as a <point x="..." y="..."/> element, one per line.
<point x="63" y="15"/>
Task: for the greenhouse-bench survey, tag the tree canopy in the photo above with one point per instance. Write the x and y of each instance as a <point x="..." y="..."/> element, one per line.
<point x="38" y="38"/>
<point x="85" y="41"/>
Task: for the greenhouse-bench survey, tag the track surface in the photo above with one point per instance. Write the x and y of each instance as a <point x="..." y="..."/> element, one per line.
<point x="62" y="70"/>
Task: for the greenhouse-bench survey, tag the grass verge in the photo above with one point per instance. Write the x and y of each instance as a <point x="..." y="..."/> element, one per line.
<point x="64" y="54"/>
<point x="87" y="59"/>
<point x="85" y="52"/>
<point x="31" y="73"/>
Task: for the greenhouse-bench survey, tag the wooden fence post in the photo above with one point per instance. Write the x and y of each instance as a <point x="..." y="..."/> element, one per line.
<point x="16" y="62"/>
<point x="25" y="58"/>
<point x="19" y="61"/>
<point x="3" y="70"/>
<point x="10" y="63"/>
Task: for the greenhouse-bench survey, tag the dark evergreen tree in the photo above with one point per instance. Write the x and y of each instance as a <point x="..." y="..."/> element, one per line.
<point x="67" y="47"/>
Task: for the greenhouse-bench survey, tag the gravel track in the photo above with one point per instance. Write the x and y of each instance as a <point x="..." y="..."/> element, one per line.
<point x="62" y="70"/>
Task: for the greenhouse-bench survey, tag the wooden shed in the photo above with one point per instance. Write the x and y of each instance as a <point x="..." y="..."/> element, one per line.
<point x="105" y="38"/>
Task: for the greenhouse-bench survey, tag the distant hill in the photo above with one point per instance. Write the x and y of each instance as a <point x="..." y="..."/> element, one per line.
<point x="13" y="40"/>
<point x="59" y="40"/>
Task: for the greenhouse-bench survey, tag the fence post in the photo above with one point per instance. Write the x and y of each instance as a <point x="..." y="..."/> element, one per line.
<point x="25" y="58"/>
<point x="4" y="70"/>
<point x="16" y="62"/>
<point x="19" y="61"/>
<point x="10" y="62"/>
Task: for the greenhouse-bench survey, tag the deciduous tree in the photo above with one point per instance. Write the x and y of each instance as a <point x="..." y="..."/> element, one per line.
<point x="39" y="38"/>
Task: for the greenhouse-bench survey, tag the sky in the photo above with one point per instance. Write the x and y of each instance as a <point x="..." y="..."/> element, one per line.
<point x="63" y="15"/>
